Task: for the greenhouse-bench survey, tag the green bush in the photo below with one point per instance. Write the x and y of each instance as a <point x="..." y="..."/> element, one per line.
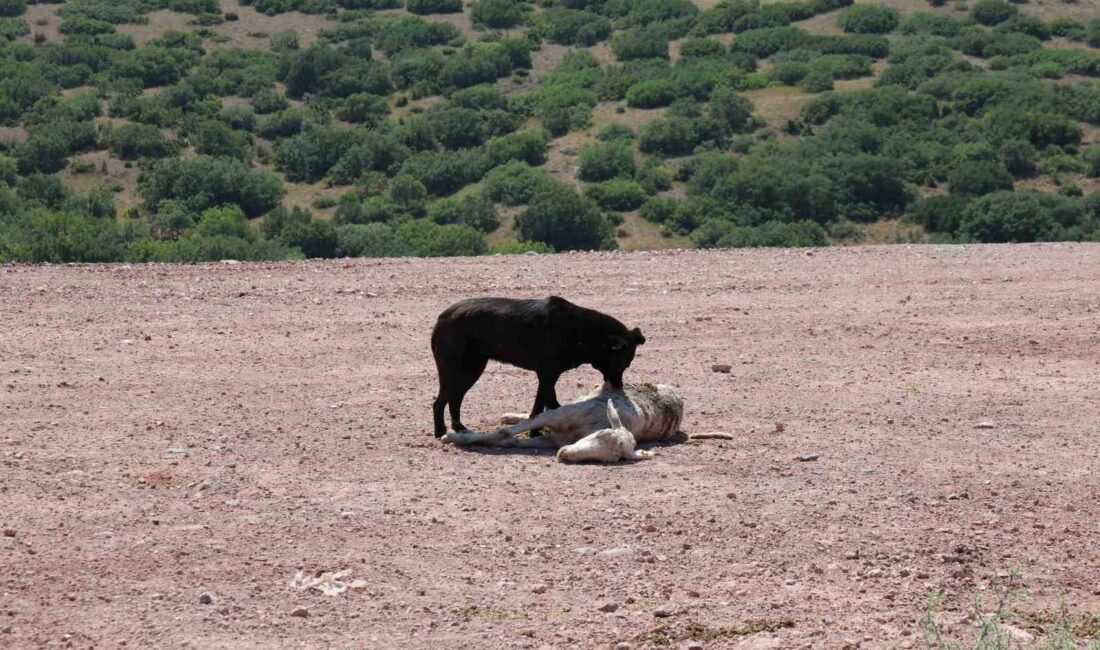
<point x="203" y="181"/>
<point x="130" y="141"/>
<point x="316" y="239"/>
<point x="616" y="194"/>
<point x="12" y="8"/>
<point x="640" y="44"/>
<point x="364" y="108"/>
<point x="424" y="238"/>
<point x="869" y="19"/>
<point x="1091" y="156"/>
<point x="268" y="101"/>
<point x="514" y="183"/>
<point x="976" y="178"/>
<point x="991" y="12"/>
<point x="474" y="209"/>
<point x="788" y="73"/>
<point x="660" y="209"/>
<point x="1019" y="157"/>
<point x="651" y="93"/>
<point x="701" y="48"/>
<point x="497" y="14"/>
<point x="214" y="138"/>
<point x="817" y="81"/>
<point x="525" y="146"/>
<point x="558" y="217"/>
<point x="942" y="214"/>
<point x="368" y="240"/>
<point x="653" y="177"/>
<point x="723" y="234"/>
<point x="926" y="22"/>
<point x="572" y="27"/>
<point x="309" y="155"/>
<point x="1092" y="32"/>
<point x="615" y="132"/>
<point x="606" y="161"/>
<point x="671" y="137"/>
<point x="731" y="110"/>
<point x="433" y="6"/>
<point x="1021" y="217"/>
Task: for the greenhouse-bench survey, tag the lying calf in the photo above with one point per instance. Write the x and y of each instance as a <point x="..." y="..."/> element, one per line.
<point x="603" y="426"/>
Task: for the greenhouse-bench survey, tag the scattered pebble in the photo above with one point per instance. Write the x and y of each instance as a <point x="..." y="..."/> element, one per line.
<point x="608" y="607"/>
<point x="176" y="450"/>
<point x="206" y="598"/>
<point x="9" y="532"/>
<point x="780" y="426"/>
<point x="805" y="458"/>
<point x="300" y="612"/>
<point x="539" y="589"/>
<point x="723" y="368"/>
<point x="852" y="555"/>
<point x="662" y="612"/>
<point x="985" y="424"/>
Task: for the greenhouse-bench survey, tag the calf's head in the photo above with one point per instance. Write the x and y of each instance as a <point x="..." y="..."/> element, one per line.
<point x="615" y="354"/>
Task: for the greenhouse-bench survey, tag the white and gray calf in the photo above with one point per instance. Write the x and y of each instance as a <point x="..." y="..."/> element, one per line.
<point x="604" y="426"/>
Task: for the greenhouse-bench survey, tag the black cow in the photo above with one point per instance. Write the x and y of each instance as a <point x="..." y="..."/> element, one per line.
<point x="549" y="336"/>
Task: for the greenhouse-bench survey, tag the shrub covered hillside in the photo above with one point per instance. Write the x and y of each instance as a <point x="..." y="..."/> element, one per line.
<point x="194" y="130"/>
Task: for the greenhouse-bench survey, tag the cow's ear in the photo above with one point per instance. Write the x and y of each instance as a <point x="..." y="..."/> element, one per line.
<point x="616" y="343"/>
<point x="637" y="334"/>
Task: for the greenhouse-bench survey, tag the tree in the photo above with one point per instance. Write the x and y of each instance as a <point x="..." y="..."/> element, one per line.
<point x="558" y="217"/>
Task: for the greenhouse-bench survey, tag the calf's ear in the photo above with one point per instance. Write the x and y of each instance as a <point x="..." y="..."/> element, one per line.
<point x="638" y="337"/>
<point x="616" y="343"/>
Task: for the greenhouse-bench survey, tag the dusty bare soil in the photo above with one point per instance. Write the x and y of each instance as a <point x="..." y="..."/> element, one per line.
<point x="167" y="431"/>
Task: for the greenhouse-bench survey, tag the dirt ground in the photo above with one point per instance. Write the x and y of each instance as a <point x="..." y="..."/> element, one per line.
<point x="172" y="431"/>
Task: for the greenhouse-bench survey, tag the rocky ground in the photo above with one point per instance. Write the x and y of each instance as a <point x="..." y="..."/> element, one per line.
<point x="178" y="441"/>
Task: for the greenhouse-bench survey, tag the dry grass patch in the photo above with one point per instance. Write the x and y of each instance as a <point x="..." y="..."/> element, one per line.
<point x="39" y="12"/>
<point x="13" y="134"/>
<point x="104" y="170"/>
<point x="778" y="104"/>
<point x="639" y="234"/>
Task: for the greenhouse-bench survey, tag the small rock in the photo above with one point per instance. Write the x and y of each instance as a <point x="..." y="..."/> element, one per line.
<point x="300" y="612"/>
<point x="608" y="607"/>
<point x="852" y="555"/>
<point x="724" y="368"/>
<point x="105" y="533"/>
<point x="649" y="528"/>
<point x="176" y="450"/>
<point x="662" y="612"/>
<point x="780" y="426"/>
<point x="985" y="424"/>
<point x="623" y="645"/>
<point x="695" y="645"/>
<point x="9" y="532"/>
<point x="805" y="458"/>
<point x="539" y="589"/>
<point x="206" y="598"/>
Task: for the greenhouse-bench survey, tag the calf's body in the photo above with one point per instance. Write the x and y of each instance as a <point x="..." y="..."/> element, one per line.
<point x="602" y="426"/>
<point x="548" y="336"/>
